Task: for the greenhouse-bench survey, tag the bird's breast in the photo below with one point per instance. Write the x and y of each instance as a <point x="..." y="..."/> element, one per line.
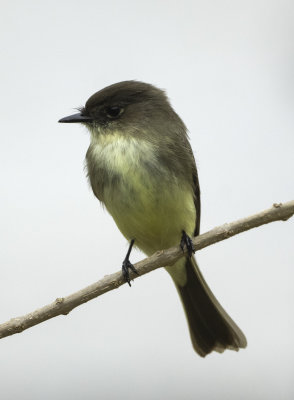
<point x="148" y="202"/>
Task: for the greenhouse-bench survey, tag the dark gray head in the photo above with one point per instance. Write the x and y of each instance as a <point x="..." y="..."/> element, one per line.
<point x="127" y="104"/>
<point x="137" y="110"/>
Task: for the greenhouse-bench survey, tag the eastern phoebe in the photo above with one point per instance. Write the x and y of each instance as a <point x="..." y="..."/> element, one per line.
<point x="141" y="167"/>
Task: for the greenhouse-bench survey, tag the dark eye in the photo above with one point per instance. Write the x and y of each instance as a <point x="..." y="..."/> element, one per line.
<point x="113" y="111"/>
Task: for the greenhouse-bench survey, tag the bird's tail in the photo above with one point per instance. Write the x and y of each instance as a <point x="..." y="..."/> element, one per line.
<point x="211" y="328"/>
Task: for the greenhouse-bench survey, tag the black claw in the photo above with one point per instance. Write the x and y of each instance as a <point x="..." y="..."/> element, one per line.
<point x="127" y="265"/>
<point x="187" y="241"/>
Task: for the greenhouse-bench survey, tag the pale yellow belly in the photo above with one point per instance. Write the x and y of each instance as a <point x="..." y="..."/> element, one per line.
<point x="152" y="212"/>
<point x="147" y="201"/>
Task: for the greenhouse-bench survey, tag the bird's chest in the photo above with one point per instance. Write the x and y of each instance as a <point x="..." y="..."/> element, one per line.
<point x="123" y="171"/>
<point x="144" y="198"/>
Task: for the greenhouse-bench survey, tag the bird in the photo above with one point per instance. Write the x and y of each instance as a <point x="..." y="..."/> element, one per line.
<point x="141" y="167"/>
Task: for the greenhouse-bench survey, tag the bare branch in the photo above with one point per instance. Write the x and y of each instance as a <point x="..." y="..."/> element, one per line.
<point x="160" y="259"/>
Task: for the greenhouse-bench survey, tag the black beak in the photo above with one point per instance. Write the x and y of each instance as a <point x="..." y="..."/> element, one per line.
<point x="76" y="118"/>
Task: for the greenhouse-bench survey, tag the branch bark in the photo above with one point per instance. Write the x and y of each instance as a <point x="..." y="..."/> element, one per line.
<point x="63" y="305"/>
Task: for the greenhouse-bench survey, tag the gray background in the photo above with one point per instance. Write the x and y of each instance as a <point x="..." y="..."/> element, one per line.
<point x="228" y="70"/>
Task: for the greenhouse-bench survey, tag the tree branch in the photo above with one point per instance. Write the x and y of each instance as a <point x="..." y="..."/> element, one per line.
<point x="160" y="259"/>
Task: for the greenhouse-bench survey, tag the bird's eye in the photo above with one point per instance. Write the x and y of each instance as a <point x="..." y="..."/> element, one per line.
<point x="113" y="111"/>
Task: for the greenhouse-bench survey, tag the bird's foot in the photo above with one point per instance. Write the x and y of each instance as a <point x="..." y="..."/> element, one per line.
<point x="187" y="241"/>
<point x="127" y="265"/>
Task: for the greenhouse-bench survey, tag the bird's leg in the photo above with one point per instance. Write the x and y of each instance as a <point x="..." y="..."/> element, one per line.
<point x="126" y="265"/>
<point x="187" y="241"/>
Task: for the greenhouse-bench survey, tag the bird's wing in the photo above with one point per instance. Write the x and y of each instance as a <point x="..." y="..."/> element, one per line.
<point x="197" y="201"/>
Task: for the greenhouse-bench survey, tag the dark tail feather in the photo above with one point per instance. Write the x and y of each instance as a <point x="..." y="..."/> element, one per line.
<point x="210" y="326"/>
